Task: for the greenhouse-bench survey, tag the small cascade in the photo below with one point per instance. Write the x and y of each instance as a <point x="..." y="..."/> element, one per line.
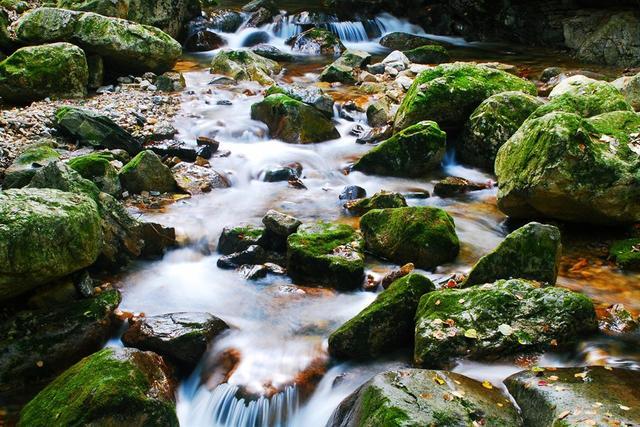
<point x="222" y="408"/>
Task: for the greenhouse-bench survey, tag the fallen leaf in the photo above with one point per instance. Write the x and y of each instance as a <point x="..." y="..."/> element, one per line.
<point x="461" y="301"/>
<point x="580" y="375"/>
<point x="39" y="363"/>
<point x="438" y="302"/>
<point x="471" y="333"/>
<point x="487" y="384"/>
<point x="553" y="378"/>
<point x="624" y="408"/>
<point x="505" y="329"/>
<point x="438" y="380"/>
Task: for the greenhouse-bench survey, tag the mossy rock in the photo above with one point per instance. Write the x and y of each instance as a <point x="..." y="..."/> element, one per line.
<point x="495" y="120"/>
<point x="379" y="113"/>
<point x="343" y="69"/>
<point x="448" y="93"/>
<point x="626" y="253"/>
<point x="412" y="152"/>
<point x="404" y="41"/>
<point x="317" y="41"/>
<point x="326" y="254"/>
<point x="380" y="200"/>
<point x="530" y="252"/>
<point x="146" y="172"/>
<point x="559" y="396"/>
<point x="629" y="86"/>
<point x="424" y="236"/>
<point x="386" y="325"/>
<point x="36" y="346"/>
<point x="428" y="54"/>
<point x="28" y="162"/>
<point x="238" y="239"/>
<point x="111" y="387"/>
<point x="45" y="234"/>
<point x="5" y="38"/>
<point x="573" y="169"/>
<point x="420" y="397"/>
<point x="310" y="95"/>
<point x="57" y="70"/>
<point x="293" y="121"/>
<point x="497" y="319"/>
<point x="97" y="167"/>
<point x="244" y="65"/>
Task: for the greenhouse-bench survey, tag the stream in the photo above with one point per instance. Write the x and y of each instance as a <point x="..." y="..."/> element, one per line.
<point x="279" y="329"/>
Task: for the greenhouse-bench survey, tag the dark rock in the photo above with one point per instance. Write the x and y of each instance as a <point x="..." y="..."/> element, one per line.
<point x="237" y="239"/>
<point x="352" y="192"/>
<point x="404" y="41"/>
<point x="310" y="95"/>
<point x="225" y="20"/>
<point x="24" y="167"/>
<point x="253" y="255"/>
<point x="182" y="150"/>
<point x="380" y="200"/>
<point x="454" y="186"/>
<point x="97" y="168"/>
<point x="317" y="41"/>
<point x="272" y="52"/>
<point x="256" y="38"/>
<point x="626" y="253"/>
<point x="157" y="238"/>
<point x="284" y="173"/>
<point x="375" y="135"/>
<point x="146" y="172"/>
<point x="203" y="40"/>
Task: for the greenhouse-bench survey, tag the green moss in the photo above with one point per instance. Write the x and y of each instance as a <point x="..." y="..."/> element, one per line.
<point x="428" y="54"/>
<point x="237" y="239"/>
<point x="97" y="168"/>
<point x="27" y="163"/>
<point x="244" y="65"/>
<point x="377" y="410"/>
<point x="380" y="200"/>
<point x="146" y="172"/>
<point x="626" y="253"/>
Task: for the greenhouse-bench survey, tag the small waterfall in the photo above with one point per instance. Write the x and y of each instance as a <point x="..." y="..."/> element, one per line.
<point x="222" y="408"/>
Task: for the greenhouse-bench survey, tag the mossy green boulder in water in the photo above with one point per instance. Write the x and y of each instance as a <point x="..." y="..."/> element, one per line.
<point x="97" y="167"/>
<point x="293" y="121"/>
<point x="124" y="45"/>
<point x="428" y="54"/>
<point x="492" y="124"/>
<point x="530" y="252"/>
<point x="424" y="236"/>
<point x="573" y="169"/>
<point x="491" y="320"/>
<point x="146" y="172"/>
<point x="238" y="239"/>
<point x="626" y="253"/>
<point x="420" y="397"/>
<point x="36" y="346"/>
<point x="28" y="162"/>
<point x="244" y="65"/>
<point x="343" y="69"/>
<point x="316" y="41"/>
<point x="380" y="200"/>
<point x="326" y="254"/>
<point x="115" y="386"/>
<point x="57" y="70"/>
<point x="448" y="93"/>
<point x="384" y="326"/>
<point x="44" y="235"/>
<point x="559" y="397"/>
<point x="412" y="152"/>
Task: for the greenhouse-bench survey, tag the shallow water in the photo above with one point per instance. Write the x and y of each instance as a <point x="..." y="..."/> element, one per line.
<point x="279" y="329"/>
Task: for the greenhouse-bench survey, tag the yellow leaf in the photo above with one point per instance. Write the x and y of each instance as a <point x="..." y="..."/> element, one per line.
<point x="438" y="380"/>
<point x="624" y="408"/>
<point x="580" y="375"/>
<point x="471" y="333"/>
<point x="487" y="384"/>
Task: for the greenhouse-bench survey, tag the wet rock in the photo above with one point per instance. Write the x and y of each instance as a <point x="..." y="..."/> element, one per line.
<point x="97" y="168"/>
<point x="280" y="224"/>
<point x="179" y="337"/>
<point x="454" y="186"/>
<point x="95" y="67"/>
<point x="496" y="319"/>
<point x="582" y="171"/>
<point x="28" y="162"/>
<point x="254" y="5"/>
<point x="203" y="40"/>
<point x="316" y="41"/>
<point x="404" y="41"/>
<point x="237" y="239"/>
<point x="412" y="152"/>
<point x="146" y="172"/>
<point x="253" y="255"/>
<point x="384" y="326"/>
<point x="293" y="121"/>
<point x="344" y="69"/>
<point x="310" y="95"/>
<point x="417" y="397"/>
<point x="244" y="65"/>
<point x="5" y="39"/>
<point x="194" y="179"/>
<point x="181" y="150"/>
<point x="571" y="396"/>
<point x="326" y="254"/>
<point x="629" y="86"/>
<point x="428" y="54"/>
<point x="448" y="93"/>
<point x="254" y="272"/>
<point x="375" y="135"/>
<point x="157" y="239"/>
<point x="284" y="173"/>
<point x="380" y="200"/>
<point x="124" y="386"/>
<point x="57" y="70"/>
<point x="125" y="46"/>
<point x="618" y="320"/>
<point x="379" y="113"/>
<point x="94" y="129"/>
<point x="549" y="73"/>
<point x="272" y="52"/>
<point x="37" y="345"/>
<point x="260" y="17"/>
<point x="352" y="192"/>
<point x="397" y="61"/>
<point x="530" y="252"/>
<point x="46" y="234"/>
<point x="397" y="274"/>
<point x="224" y="20"/>
<point x="424" y="236"/>
<point x="626" y="253"/>
<point x="491" y="124"/>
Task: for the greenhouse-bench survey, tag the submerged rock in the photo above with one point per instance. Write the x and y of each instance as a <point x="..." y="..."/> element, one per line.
<point x="326" y="254"/>
<point x="567" y="396"/>
<point x="380" y="200"/>
<point x="453" y="186"/>
<point x="496" y="319"/>
<point x="386" y="325"/>
<point x="97" y="168"/>
<point x="238" y="239"/>
<point x="419" y="397"/>
<point x="180" y="337"/>
<point x="530" y="252"/>
<point x="448" y="93"/>
<point x="424" y="236"/>
<point x="146" y="172"/>
<point x="626" y="253"/>
<point x="316" y="41"/>
<point x="115" y="386"/>
<point x="28" y="162"/>
<point x="412" y="152"/>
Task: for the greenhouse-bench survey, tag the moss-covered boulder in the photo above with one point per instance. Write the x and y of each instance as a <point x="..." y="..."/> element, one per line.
<point x="629" y="86"/>
<point x="428" y="54"/>
<point x="28" y="162"/>
<point x="448" y="93"/>
<point x="36" y="346"/>
<point x="5" y="38"/>
<point x="424" y="236"/>
<point x="573" y="169"/>
<point x="326" y="254"/>
<point x="310" y="95"/>
<point x="495" y="120"/>
<point x="146" y="172"/>
<point x="344" y="68"/>
<point x="404" y="41"/>
<point x="380" y="200"/>
<point x="124" y="45"/>
<point x="97" y="167"/>
<point x="491" y="320"/>
<point x="293" y="121"/>
<point x="412" y="152"/>
<point x="244" y="65"/>
<point x="45" y="235"/>
<point x="590" y="395"/>
<point x="91" y="128"/>
<point x="453" y="186"/>
<point x="111" y="387"/>
<point x="420" y="397"/>
<point x="316" y="41"/>
<point x="530" y="252"/>
<point x="626" y="253"/>
<point x="238" y="239"/>
<point x="57" y="70"/>
<point x="384" y="326"/>
<point x="180" y="337"/>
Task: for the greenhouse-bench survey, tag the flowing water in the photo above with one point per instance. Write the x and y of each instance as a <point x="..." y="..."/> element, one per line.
<point x="283" y="375"/>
